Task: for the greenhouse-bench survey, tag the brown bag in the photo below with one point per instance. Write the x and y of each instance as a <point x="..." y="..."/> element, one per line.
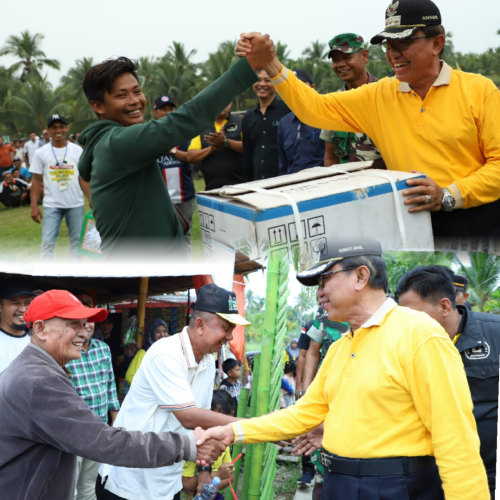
<point x="182" y="219"/>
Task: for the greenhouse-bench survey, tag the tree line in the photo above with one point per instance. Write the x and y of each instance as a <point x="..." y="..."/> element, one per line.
<point x="27" y="97"/>
<point x="483" y="274"/>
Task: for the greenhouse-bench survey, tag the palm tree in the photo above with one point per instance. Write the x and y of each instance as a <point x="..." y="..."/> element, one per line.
<point x="316" y="52"/>
<point x="71" y="92"/>
<point x="177" y="75"/>
<point x="26" y="48"/>
<point x="399" y="263"/>
<point x="483" y="274"/>
<point x="34" y="103"/>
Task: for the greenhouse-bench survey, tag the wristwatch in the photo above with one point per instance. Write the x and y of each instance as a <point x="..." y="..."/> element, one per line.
<point x="204" y="468"/>
<point x="226" y="143"/>
<point x="448" y="202"/>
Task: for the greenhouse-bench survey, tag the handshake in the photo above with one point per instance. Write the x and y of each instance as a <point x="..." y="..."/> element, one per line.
<point x="210" y="444"/>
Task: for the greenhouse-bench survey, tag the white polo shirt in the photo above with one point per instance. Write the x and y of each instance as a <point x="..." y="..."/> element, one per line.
<point x="169" y="379"/>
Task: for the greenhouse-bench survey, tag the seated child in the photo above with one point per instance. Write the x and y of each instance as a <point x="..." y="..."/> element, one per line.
<point x="232" y="384"/>
<point x="222" y="402"/>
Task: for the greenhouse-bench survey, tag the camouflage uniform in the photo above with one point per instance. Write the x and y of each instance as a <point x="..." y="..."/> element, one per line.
<point x="351" y="146"/>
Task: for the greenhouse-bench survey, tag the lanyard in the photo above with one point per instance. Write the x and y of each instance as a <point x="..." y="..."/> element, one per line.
<point x="55" y="157"/>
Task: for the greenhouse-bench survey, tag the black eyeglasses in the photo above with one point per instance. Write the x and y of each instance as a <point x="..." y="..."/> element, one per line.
<point x="321" y="282"/>
<point x="389" y="46"/>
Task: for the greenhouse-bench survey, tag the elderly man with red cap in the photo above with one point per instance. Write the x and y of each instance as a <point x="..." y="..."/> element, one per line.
<point x="45" y="424"/>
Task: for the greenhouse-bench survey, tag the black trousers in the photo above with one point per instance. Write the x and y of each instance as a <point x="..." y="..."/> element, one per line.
<point x="472" y="222"/>
<point x="103" y="494"/>
<point x="425" y="485"/>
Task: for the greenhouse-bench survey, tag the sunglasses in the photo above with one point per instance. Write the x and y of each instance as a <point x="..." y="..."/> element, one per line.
<point x="321" y="281"/>
<point x="389" y="46"/>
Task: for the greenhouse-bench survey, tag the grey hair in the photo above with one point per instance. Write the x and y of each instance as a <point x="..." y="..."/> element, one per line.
<point x="376" y="266"/>
<point x="204" y="315"/>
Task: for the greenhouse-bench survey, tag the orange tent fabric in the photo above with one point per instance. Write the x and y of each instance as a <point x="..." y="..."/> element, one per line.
<point x="237" y="345"/>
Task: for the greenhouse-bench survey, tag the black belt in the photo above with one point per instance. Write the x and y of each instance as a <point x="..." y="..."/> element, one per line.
<point x="378" y="466"/>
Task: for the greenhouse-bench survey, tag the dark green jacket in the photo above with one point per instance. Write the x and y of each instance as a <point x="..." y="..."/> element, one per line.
<point x="131" y="204"/>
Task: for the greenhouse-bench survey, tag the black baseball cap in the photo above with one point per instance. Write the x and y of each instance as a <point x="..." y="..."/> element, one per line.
<point x="405" y="17"/>
<point x="214" y="299"/>
<point x="163" y="100"/>
<point x="56" y="118"/>
<point x="460" y="283"/>
<point x="13" y="287"/>
<point x="16" y="158"/>
<point x="303" y="76"/>
<point x="335" y="251"/>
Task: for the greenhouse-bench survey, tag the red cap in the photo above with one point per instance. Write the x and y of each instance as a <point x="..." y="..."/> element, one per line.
<point x="61" y="304"/>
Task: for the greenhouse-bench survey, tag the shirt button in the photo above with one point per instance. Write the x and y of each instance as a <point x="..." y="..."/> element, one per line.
<point x="263" y="131"/>
<point x="263" y="146"/>
<point x="483" y="373"/>
<point x="422" y="110"/>
<point x="353" y="355"/>
<point x="264" y="118"/>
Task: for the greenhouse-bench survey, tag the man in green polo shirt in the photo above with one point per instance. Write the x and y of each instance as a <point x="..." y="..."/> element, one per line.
<point x="133" y="211"/>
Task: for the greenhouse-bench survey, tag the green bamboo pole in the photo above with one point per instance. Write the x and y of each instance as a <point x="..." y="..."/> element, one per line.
<point x="266" y="359"/>
<point x="247" y="468"/>
<point x="237" y="448"/>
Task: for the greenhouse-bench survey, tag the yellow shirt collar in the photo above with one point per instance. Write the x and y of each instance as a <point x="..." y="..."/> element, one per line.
<point x="443" y="78"/>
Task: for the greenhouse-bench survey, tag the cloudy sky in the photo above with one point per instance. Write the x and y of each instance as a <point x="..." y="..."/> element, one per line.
<point x="102" y="29"/>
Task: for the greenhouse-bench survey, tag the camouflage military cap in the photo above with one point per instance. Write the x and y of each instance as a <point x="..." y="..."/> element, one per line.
<point x="347" y="43"/>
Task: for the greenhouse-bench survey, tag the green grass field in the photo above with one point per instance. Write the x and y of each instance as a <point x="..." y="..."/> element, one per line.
<point x="20" y="237"/>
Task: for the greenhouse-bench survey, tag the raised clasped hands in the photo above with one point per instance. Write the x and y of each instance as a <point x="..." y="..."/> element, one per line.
<point x="259" y="49"/>
<point x="208" y="448"/>
<point x="308" y="443"/>
<point x="424" y="193"/>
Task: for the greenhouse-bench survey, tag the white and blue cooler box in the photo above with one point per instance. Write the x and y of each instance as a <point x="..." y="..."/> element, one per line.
<point x="332" y="201"/>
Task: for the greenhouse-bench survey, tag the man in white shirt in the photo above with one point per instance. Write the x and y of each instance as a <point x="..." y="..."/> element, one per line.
<point x="56" y="165"/>
<point x="30" y="147"/>
<point x="172" y="391"/>
<point x="15" y="297"/>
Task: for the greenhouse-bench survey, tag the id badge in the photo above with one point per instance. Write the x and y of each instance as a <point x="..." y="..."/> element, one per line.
<point x="63" y="185"/>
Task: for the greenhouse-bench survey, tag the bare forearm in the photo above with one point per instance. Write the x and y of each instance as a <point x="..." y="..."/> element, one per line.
<point x="273" y="68"/>
<point x="198" y="155"/>
<point x="310" y="368"/>
<point x="330" y="157"/>
<point x="182" y="155"/>
<point x="236" y="146"/>
<point x="198" y="417"/>
<point x="36" y="186"/>
<point x="113" y="414"/>
<point x="300" y="372"/>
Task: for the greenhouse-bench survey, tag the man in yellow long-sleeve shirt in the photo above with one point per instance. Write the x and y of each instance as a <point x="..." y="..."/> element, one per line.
<point x="428" y="118"/>
<point x="392" y="394"/>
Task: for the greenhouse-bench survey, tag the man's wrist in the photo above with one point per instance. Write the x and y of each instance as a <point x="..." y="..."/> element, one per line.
<point x="448" y="201"/>
<point x="204" y="468"/>
<point x="273" y="68"/>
